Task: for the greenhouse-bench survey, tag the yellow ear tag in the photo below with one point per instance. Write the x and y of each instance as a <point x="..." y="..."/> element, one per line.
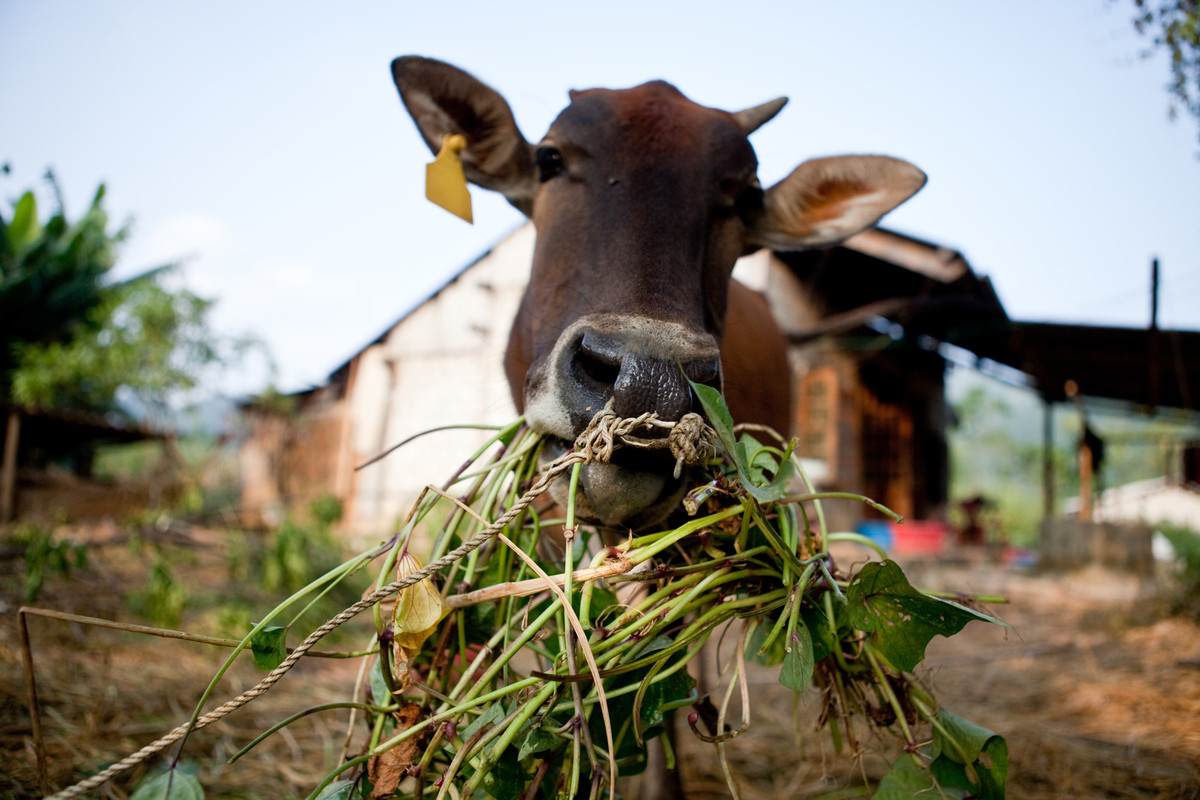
<point x="445" y="184"/>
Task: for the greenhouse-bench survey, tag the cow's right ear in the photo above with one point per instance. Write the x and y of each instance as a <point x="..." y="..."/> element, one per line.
<point x="443" y="99"/>
<point x="828" y="200"/>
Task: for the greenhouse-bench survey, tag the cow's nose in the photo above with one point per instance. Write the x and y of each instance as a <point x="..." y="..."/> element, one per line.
<point x="608" y="366"/>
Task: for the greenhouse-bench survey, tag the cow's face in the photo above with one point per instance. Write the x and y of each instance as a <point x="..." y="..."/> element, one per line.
<point x="642" y="201"/>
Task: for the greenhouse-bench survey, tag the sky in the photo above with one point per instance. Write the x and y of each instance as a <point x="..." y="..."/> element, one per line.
<point x="264" y="145"/>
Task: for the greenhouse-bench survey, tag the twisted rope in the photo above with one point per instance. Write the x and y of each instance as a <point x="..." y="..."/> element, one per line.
<point x="690" y="440"/>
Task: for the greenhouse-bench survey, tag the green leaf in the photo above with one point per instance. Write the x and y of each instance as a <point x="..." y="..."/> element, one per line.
<point x="269" y="647"/>
<point x="671" y="691"/>
<point x="767" y="477"/>
<point x="797" y="670"/>
<point x="491" y="715"/>
<point x="505" y="780"/>
<point x="906" y="780"/>
<point x="24" y="227"/>
<point x="538" y="740"/>
<point x="739" y="451"/>
<point x="340" y="790"/>
<point x="718" y="416"/>
<point x="174" y="784"/>
<point x="775" y="654"/>
<point x="602" y="600"/>
<point x="900" y="619"/>
<point x="955" y="738"/>
<point x="823" y="639"/>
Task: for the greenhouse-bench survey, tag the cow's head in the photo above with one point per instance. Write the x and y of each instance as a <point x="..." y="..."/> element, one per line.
<point x="642" y="201"/>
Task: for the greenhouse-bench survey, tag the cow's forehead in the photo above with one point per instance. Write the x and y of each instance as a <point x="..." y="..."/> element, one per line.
<point x="653" y="118"/>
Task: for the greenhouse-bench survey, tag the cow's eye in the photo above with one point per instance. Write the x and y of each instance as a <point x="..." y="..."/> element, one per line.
<point x="750" y="201"/>
<point x="549" y="162"/>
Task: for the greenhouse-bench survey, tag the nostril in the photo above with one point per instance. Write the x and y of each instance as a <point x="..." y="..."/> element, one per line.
<point x="704" y="370"/>
<point x="599" y="372"/>
<point x="598" y="361"/>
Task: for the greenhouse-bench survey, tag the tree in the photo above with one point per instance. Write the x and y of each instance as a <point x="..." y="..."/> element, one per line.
<point x="1175" y="26"/>
<point x="74" y="339"/>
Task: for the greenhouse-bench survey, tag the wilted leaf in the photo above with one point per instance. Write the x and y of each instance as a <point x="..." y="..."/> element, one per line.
<point x="900" y="619"/>
<point x="387" y="769"/>
<point x="418" y="610"/>
<point x="269" y="647"/>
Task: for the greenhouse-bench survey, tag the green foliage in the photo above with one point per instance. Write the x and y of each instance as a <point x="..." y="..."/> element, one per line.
<point x="1174" y="25"/>
<point x="45" y="557"/>
<point x="964" y="761"/>
<point x="900" y="619"/>
<point x="765" y="478"/>
<point x="179" y="783"/>
<point x="523" y="692"/>
<point x="343" y="790"/>
<point x="296" y="554"/>
<point x="73" y="337"/>
<point x="269" y="647"/>
<point x="1186" y="543"/>
<point x="996" y="452"/>
<point x="50" y="274"/>
<point x="162" y="599"/>
<point x="325" y="511"/>
<point x="142" y="337"/>
<point x="854" y="636"/>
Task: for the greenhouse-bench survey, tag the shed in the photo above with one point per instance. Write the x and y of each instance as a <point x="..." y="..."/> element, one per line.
<point x="46" y="467"/>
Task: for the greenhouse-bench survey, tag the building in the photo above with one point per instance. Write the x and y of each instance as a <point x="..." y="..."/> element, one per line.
<point x="867" y="320"/>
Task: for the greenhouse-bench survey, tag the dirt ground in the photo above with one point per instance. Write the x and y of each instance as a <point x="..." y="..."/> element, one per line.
<point x="1096" y="693"/>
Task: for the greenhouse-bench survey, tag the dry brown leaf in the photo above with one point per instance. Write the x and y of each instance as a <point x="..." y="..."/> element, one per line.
<point x="388" y="769"/>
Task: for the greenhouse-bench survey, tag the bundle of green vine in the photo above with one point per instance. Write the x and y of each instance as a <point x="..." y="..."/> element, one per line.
<point x="534" y="657"/>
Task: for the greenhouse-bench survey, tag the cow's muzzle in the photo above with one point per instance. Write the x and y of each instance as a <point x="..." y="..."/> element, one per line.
<point x="642" y="366"/>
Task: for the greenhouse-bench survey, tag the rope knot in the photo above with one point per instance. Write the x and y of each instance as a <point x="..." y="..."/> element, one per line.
<point x="690" y="440"/>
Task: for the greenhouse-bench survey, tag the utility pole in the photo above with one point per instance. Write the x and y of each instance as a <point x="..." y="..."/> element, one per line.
<point x="1152" y="344"/>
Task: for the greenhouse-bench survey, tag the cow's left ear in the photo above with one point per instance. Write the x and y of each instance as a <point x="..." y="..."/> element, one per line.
<point x="442" y="99"/>
<point x="826" y="200"/>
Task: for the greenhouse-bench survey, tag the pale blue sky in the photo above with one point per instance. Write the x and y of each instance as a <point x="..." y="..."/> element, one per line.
<point x="265" y="140"/>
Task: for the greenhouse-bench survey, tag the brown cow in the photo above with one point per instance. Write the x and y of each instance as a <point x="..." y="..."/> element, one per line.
<point x="642" y="201"/>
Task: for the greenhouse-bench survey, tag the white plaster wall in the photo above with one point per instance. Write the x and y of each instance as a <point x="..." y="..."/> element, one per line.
<point x="448" y="358"/>
<point x="1151" y="501"/>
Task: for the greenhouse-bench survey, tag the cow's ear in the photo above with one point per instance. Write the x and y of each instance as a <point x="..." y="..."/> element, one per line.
<point x="443" y="99"/>
<point x="826" y="200"/>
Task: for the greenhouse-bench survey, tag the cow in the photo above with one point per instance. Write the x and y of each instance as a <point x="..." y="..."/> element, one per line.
<point x="642" y="201"/>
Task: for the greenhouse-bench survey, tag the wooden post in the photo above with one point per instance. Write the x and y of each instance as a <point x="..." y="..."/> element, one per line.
<point x="8" y="471"/>
<point x="1085" y="481"/>
<point x="1047" y="459"/>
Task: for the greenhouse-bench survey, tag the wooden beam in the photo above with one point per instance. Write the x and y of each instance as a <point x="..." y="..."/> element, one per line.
<point x="8" y="470"/>
<point x="1047" y="459"/>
